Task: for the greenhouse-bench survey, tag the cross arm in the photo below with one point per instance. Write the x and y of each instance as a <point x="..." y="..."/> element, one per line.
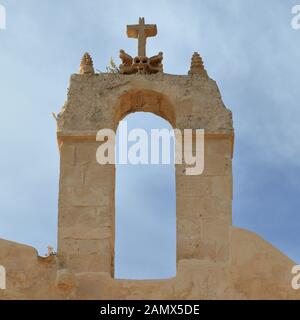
<point x="149" y="29"/>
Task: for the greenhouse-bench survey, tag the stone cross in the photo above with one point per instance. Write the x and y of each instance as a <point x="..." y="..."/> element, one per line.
<point x="141" y="31"/>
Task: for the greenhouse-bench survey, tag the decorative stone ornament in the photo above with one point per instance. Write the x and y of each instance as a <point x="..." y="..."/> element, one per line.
<point x="141" y="63"/>
<point x="86" y="64"/>
<point x="197" y="66"/>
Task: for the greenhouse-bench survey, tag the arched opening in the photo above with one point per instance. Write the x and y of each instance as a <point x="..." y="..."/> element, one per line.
<point x="145" y="207"/>
<point x="147" y="101"/>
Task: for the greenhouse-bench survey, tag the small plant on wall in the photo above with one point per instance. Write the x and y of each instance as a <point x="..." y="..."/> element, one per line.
<point x="112" y="67"/>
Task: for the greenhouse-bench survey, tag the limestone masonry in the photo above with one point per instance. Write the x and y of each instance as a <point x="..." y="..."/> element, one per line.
<point x="214" y="259"/>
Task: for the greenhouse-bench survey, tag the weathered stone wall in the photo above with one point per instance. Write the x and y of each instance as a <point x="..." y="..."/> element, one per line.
<point x="214" y="259"/>
<point x="256" y="271"/>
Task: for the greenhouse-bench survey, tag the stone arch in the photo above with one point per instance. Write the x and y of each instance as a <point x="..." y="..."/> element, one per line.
<point x="146" y="101"/>
<point x="86" y="199"/>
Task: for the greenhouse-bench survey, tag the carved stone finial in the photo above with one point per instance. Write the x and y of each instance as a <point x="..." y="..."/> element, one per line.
<point x="141" y="64"/>
<point x="86" y="64"/>
<point x="197" y="66"/>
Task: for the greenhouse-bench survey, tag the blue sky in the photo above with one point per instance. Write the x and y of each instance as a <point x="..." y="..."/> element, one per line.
<point x="247" y="46"/>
